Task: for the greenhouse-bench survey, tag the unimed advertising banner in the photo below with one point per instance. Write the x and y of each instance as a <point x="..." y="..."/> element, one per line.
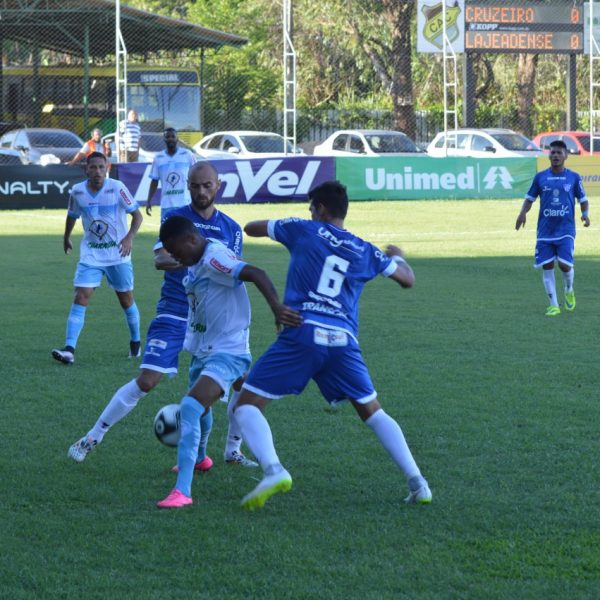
<point x="426" y="178"/>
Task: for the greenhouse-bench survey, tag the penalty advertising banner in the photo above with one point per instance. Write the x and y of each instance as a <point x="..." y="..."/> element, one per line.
<point x="426" y="178"/>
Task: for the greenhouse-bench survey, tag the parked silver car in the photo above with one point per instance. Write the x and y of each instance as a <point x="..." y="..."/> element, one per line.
<point x="42" y="146"/>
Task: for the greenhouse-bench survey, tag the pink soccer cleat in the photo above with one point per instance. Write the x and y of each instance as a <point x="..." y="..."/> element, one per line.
<point x="175" y="499"/>
<point x="204" y="465"/>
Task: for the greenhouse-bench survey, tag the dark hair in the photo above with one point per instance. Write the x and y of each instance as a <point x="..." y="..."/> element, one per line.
<point x="333" y="196"/>
<point x="95" y="155"/>
<point x="175" y="227"/>
<point x="558" y="144"/>
<point x="168" y="129"/>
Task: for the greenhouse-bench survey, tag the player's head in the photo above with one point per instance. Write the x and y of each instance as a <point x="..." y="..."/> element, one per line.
<point x="95" y="169"/>
<point x="170" y="137"/>
<point x="181" y="240"/>
<point x="203" y="183"/>
<point x="558" y="153"/>
<point x="329" y="199"/>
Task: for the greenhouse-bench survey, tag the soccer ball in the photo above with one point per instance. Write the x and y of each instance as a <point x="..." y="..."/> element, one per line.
<point x="167" y="424"/>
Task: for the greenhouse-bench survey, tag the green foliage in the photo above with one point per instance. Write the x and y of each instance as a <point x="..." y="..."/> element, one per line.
<point x="498" y="403"/>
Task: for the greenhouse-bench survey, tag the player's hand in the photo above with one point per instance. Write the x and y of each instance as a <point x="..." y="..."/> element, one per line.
<point x="286" y="317"/>
<point x="586" y="221"/>
<point x="67" y="246"/>
<point x="125" y="245"/>
<point x="392" y="250"/>
<point x="149" y="210"/>
<point x="521" y="220"/>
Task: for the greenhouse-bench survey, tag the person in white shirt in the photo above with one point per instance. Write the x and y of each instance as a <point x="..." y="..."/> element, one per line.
<point x="130" y="134"/>
<point x="170" y="167"/>
<point x="217" y="332"/>
<point x="105" y="251"/>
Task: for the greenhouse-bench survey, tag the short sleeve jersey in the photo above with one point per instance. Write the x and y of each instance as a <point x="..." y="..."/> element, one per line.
<point x="328" y="270"/>
<point x="172" y="172"/>
<point x="219" y="315"/>
<point x="558" y="193"/>
<point x="104" y="218"/>
<point x="220" y="227"/>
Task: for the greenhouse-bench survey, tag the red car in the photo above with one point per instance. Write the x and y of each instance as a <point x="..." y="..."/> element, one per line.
<point x="578" y="142"/>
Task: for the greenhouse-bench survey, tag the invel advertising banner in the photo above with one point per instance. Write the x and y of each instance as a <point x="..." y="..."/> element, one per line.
<point x="426" y="178"/>
<point x="247" y="181"/>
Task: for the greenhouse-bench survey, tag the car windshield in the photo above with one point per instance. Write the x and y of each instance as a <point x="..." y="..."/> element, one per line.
<point x="397" y="142"/>
<point x="53" y="139"/>
<point x="515" y="141"/>
<point x="264" y="143"/>
<point x="584" y="140"/>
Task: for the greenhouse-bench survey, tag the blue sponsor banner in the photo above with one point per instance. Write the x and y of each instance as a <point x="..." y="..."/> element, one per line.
<point x="247" y="181"/>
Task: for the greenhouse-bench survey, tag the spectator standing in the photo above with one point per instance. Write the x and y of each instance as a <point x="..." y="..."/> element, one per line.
<point x="94" y="144"/>
<point x="130" y="133"/>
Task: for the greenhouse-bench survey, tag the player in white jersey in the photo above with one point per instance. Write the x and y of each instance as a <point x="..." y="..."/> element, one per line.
<point x="217" y="332"/>
<point x="170" y="167"/>
<point x="559" y="189"/>
<point x="105" y="251"/>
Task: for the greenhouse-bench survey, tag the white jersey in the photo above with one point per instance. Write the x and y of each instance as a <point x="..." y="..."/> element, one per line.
<point x="104" y="218"/>
<point x="172" y="172"/>
<point x="219" y="315"/>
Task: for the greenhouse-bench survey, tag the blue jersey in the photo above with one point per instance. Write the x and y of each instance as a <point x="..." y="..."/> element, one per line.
<point x="328" y="270"/>
<point x="173" y="299"/>
<point x="557" y="192"/>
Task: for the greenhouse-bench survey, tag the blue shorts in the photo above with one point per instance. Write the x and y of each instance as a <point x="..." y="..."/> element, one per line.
<point x="331" y="357"/>
<point x="164" y="342"/>
<point x="119" y="277"/>
<point x="223" y="368"/>
<point x="561" y="250"/>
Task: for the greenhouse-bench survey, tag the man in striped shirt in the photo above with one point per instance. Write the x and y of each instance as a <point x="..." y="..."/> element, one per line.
<point x="130" y="133"/>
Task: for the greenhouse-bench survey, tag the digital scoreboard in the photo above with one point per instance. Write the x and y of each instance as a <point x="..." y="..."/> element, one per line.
<point x="524" y="27"/>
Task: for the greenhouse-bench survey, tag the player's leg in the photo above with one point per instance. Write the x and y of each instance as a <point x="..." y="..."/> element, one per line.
<point x="565" y="252"/>
<point x="86" y="280"/>
<point x="120" y="278"/>
<point x="545" y="254"/>
<point x="233" y="445"/>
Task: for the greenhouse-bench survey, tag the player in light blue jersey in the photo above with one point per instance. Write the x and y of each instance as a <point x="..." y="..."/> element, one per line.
<point x="166" y="333"/>
<point x="558" y="189"/>
<point x="170" y="167"/>
<point x="217" y="333"/>
<point x="328" y="269"/>
<point x="105" y="250"/>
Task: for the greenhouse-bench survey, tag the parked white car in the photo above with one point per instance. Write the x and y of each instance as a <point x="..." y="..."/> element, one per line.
<point x="244" y="144"/>
<point x="483" y="143"/>
<point x="367" y="142"/>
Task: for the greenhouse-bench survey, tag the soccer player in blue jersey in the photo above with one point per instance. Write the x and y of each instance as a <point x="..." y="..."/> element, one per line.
<point x="558" y="189"/>
<point x="328" y="269"/>
<point x="105" y="250"/>
<point x="217" y="332"/>
<point x="165" y="337"/>
<point x="170" y="167"/>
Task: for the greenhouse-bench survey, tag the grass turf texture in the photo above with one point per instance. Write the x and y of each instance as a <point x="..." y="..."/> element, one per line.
<point x="498" y="402"/>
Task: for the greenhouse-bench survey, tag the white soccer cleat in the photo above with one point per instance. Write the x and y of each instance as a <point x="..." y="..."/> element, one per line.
<point x="269" y="486"/>
<point x="237" y="458"/>
<point x="64" y="356"/>
<point x="419" y="491"/>
<point x="81" y="448"/>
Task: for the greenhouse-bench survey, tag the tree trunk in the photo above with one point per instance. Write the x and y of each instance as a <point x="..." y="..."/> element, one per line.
<point x="526" y="91"/>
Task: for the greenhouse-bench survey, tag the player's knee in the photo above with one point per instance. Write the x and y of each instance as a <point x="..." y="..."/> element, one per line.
<point x="148" y="380"/>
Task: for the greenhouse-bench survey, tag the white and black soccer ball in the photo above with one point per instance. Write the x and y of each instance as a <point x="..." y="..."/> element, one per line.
<point x="167" y="424"/>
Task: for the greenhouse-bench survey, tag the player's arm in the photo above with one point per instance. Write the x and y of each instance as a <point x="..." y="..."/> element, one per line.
<point x="403" y="274"/>
<point x="585" y="213"/>
<point x="79" y="156"/>
<point x="151" y="192"/>
<point x="257" y="229"/>
<point x="127" y="241"/>
<point x="163" y="261"/>
<point x="69" y="225"/>
<point x="522" y="218"/>
<point x="284" y="315"/>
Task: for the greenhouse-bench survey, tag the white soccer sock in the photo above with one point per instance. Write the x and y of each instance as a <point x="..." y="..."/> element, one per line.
<point x="392" y="439"/>
<point x="568" y="278"/>
<point x="550" y="286"/>
<point x="234" y="431"/>
<point x="257" y="434"/>
<point x="120" y="405"/>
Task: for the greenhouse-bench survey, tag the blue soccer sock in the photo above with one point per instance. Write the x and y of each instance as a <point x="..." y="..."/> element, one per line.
<point x="75" y="323"/>
<point x="132" y="314"/>
<point x="206" y="422"/>
<point x="187" y="450"/>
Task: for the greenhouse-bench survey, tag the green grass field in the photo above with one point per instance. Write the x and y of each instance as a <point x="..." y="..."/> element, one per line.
<point x="498" y="402"/>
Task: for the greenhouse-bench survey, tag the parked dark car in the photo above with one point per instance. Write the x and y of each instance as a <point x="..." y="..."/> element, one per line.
<point x="40" y="146"/>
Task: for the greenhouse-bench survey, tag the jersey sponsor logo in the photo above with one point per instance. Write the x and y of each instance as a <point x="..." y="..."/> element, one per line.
<point x="98" y="228"/>
<point x="554" y="212"/>
<point x="218" y="266"/>
<point x="102" y="245"/>
<point x="336" y="242"/>
<point x="324" y="299"/>
<point x="173" y="178"/>
<point x="328" y="337"/>
<point x="321" y="308"/>
<point x="125" y="197"/>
